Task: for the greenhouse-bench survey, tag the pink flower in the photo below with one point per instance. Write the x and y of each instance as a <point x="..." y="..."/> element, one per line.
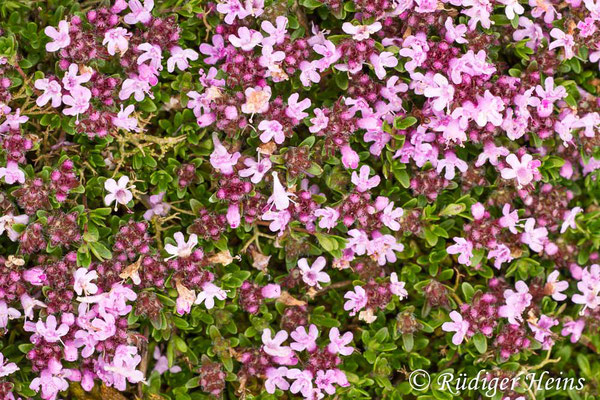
<point x="512" y="9"/>
<point x="296" y="109"/>
<point x="233" y="215"/>
<point x="554" y="287"/>
<point x="257" y="100"/>
<point x="271" y="59"/>
<point x="214" y="52"/>
<point x="492" y="153"/>
<point x="320" y="122"/>
<point x="362" y="181"/>
<point x="501" y="253"/>
<point x="116" y="39"/>
<point x="50" y="330"/>
<point x="179" y="57"/>
<point x="458" y="325"/>
<point x="462" y="247"/>
<point x="147" y="74"/>
<point x="329" y="218"/>
<point x="162" y="363"/>
<point x="325" y="381"/>
<point x="489" y="109"/>
<point x="60" y="37"/>
<point x="276" y="379"/>
<point x="152" y="53"/>
<point x="280" y="220"/>
<point x="397" y="287"/>
<point x="35" y="276"/>
<point x="357" y="300"/>
<point x="221" y="159"/>
<point x="415" y="47"/>
<point x="541" y="7"/>
<point x="305" y="340"/>
<point x="28" y="303"/>
<point x="276" y="32"/>
<point x="338" y="344"/>
<point x="523" y="171"/>
<point x="183" y="249"/>
<point x="302" y="382"/>
<point x="381" y="61"/>
<point x="7" y="369"/>
<point x="246" y="39"/>
<point x="271" y="130"/>
<point x="83" y="282"/>
<point x="309" y="73"/>
<point x="534" y="237"/>
<point x="573" y="328"/>
<point x="390" y="215"/>
<point x="256" y="169"/>
<point x="542" y="331"/>
<point x="273" y="346"/>
<point x="443" y="92"/>
<point x="280" y="197"/>
<point x="123" y="121"/>
<point x="271" y="291"/>
<point x="122" y="367"/>
<point x="547" y="96"/>
<point x="455" y="33"/>
<point x="138" y="87"/>
<point x="119" y="6"/>
<point x="361" y="32"/>
<point x="78" y="100"/>
<point x="383" y="248"/>
<point x="6" y="225"/>
<point x="569" y="221"/>
<point x="233" y="9"/>
<point x="312" y="275"/>
<point x="562" y="40"/>
<point x="51" y="381"/>
<point x="509" y="219"/>
<point x="329" y="52"/>
<point x="52" y="92"/>
<point x="117" y="191"/>
<point x="185" y="299"/>
<point x="516" y="303"/>
<point x="12" y="173"/>
<point x="7" y="313"/>
<point x="478" y="211"/>
<point x="450" y="163"/>
<point x="208" y="294"/>
<point x="589" y="286"/>
<point x="350" y="157"/>
<point x="72" y="80"/>
<point x="138" y="12"/>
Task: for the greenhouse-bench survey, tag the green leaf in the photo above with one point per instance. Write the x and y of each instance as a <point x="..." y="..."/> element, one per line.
<point x="408" y="341"/>
<point x="480" y="342"/>
<point x="468" y="291"/>
<point x="452" y="209"/>
<point x="403" y="123"/>
<point x="100" y="251"/>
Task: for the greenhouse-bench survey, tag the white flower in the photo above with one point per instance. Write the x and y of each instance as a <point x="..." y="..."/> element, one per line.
<point x="116" y="40"/>
<point x="83" y="281"/>
<point x="208" y="294"/>
<point x="313" y="275"/>
<point x="7" y="222"/>
<point x="522" y="171"/>
<point x="397" y="287"/>
<point x="183" y="248"/>
<point x="118" y="191"/>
